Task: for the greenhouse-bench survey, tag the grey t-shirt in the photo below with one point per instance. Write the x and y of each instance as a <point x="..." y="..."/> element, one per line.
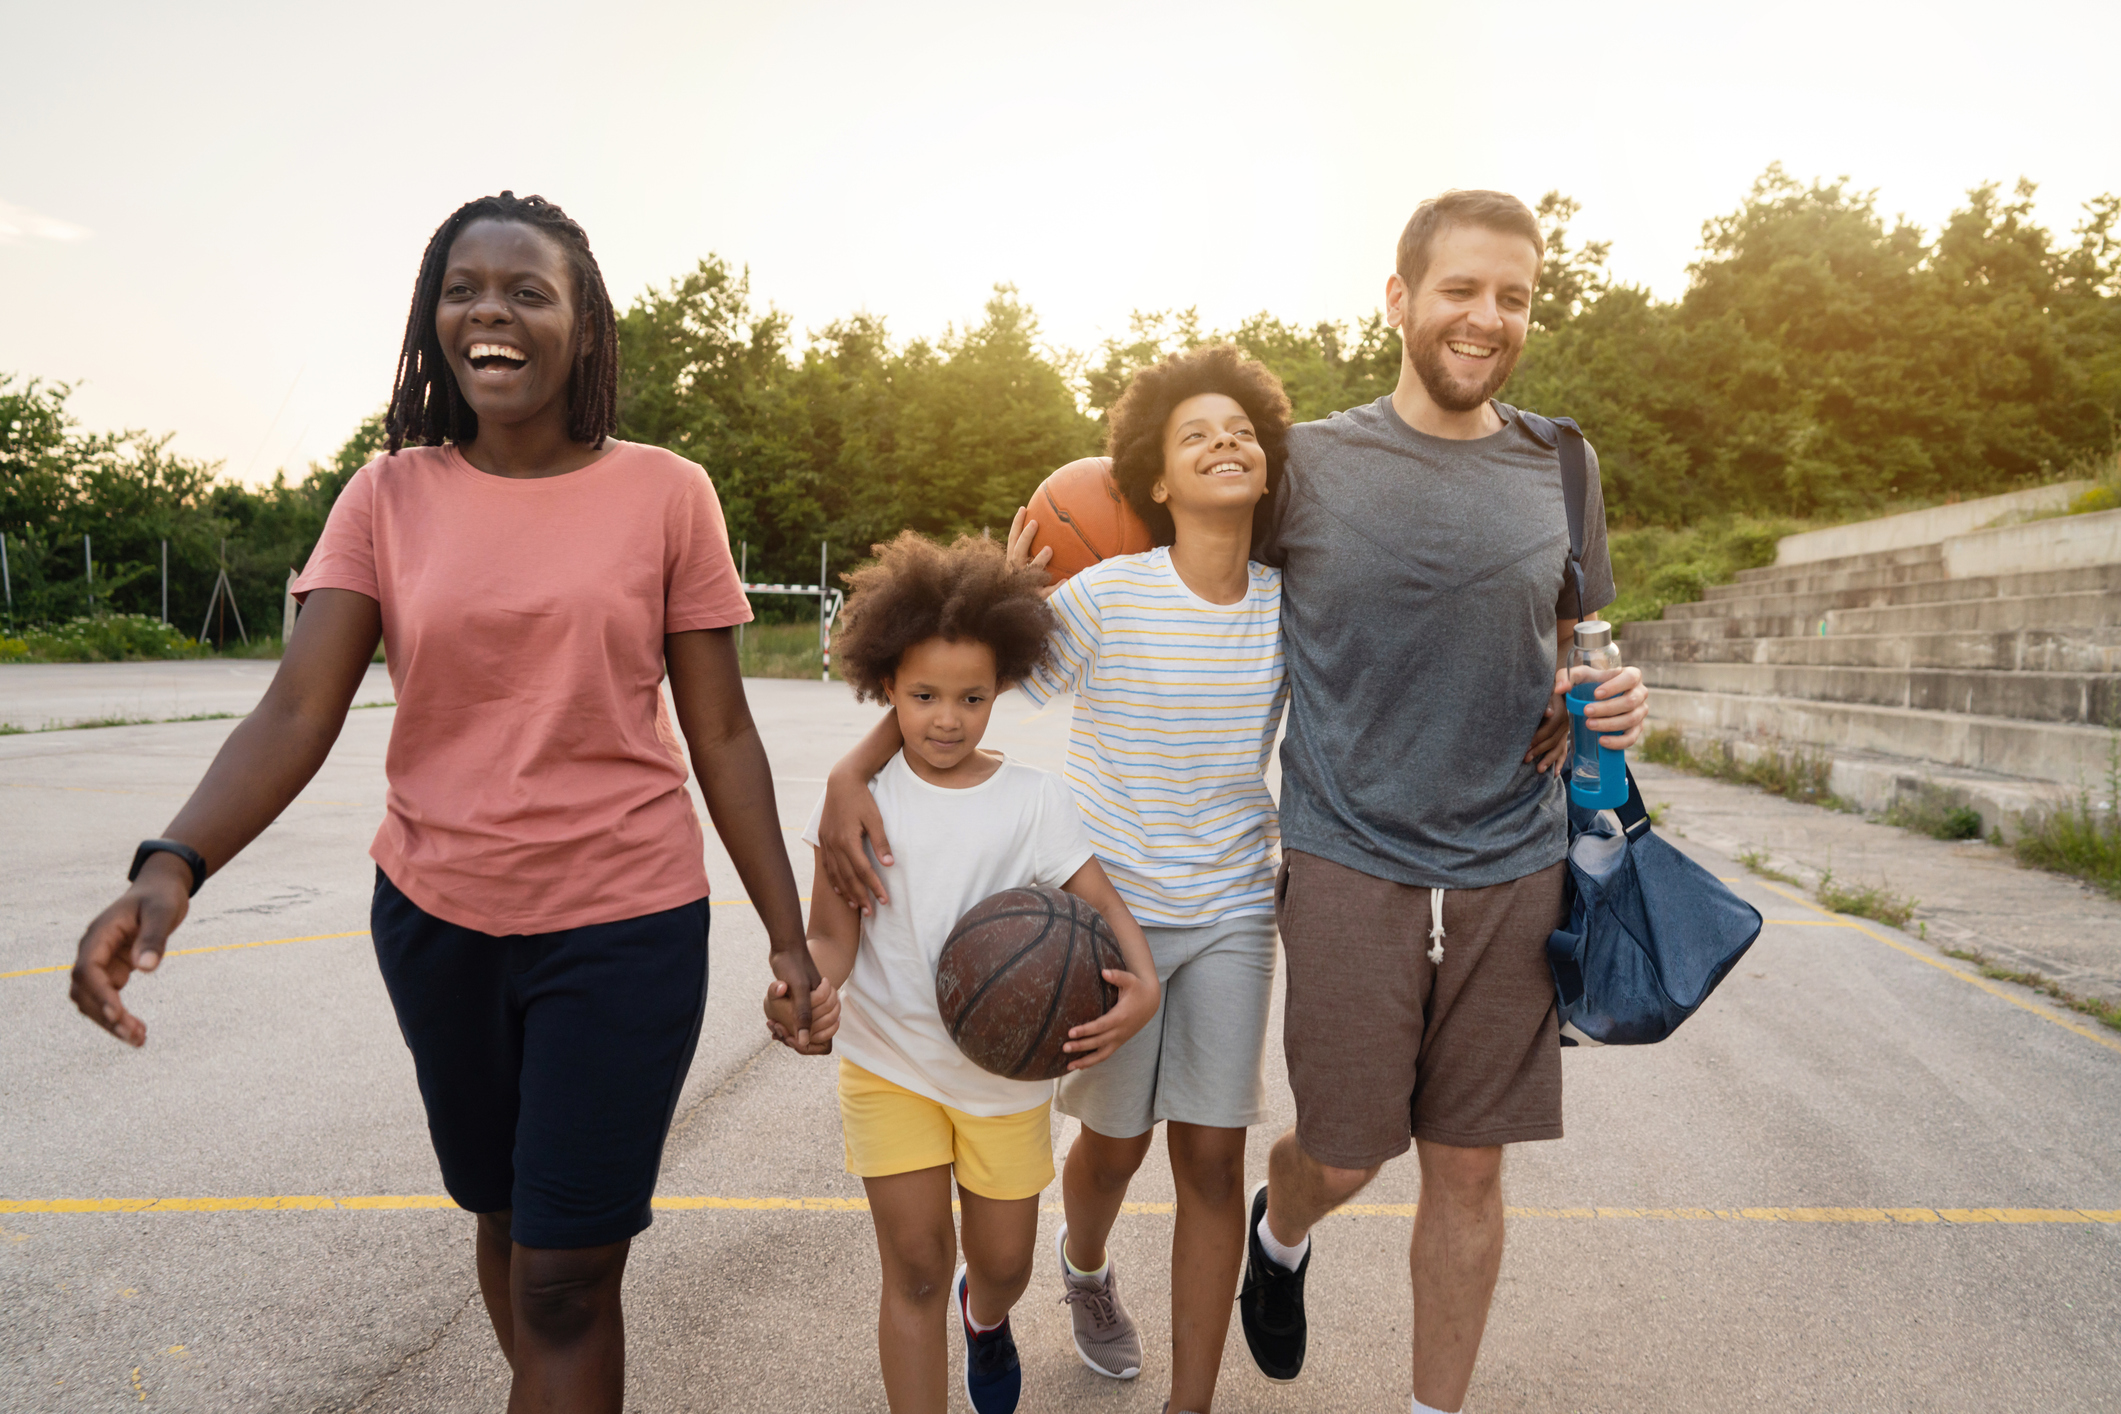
<point x="1422" y="578"/>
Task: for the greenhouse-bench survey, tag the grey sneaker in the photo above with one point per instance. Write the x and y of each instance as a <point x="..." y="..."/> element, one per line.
<point x="1105" y="1335"/>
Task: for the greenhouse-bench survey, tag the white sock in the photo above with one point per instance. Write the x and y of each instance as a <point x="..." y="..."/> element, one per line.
<point x="1420" y="1408"/>
<point x="1099" y="1275"/>
<point x="972" y="1325"/>
<point x="1287" y="1258"/>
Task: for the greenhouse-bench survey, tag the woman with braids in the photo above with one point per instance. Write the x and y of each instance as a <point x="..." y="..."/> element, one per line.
<point x="540" y="913"/>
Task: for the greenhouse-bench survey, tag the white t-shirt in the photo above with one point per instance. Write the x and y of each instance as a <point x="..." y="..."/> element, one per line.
<point x="1176" y="704"/>
<point x="954" y="848"/>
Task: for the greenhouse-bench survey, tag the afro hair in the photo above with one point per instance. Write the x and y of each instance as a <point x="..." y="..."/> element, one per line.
<point x="1136" y="423"/>
<point x="918" y="590"/>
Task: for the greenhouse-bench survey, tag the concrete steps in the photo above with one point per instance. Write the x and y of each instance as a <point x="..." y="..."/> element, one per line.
<point x="2085" y="699"/>
<point x="1965" y="648"/>
<point x="2065" y="649"/>
<point x="2038" y="756"/>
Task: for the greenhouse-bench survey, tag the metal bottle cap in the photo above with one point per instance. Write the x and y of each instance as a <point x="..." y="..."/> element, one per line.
<point x="1593" y="633"/>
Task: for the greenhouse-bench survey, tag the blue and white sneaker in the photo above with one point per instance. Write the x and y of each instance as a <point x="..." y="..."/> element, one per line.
<point x="994" y="1377"/>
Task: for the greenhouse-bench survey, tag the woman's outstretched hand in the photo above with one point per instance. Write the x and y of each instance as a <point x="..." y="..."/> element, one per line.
<point x="130" y="936"/>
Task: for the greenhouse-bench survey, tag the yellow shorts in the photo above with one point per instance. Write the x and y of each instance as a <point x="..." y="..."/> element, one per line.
<point x="888" y="1129"/>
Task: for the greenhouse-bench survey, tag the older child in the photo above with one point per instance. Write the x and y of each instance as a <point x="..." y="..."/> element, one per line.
<point x="1174" y="657"/>
<point x="937" y="633"/>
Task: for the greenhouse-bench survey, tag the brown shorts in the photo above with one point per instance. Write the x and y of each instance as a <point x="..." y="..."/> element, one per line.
<point x="1383" y="1044"/>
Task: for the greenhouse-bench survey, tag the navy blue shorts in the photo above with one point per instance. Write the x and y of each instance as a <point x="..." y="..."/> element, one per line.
<point x="550" y="1063"/>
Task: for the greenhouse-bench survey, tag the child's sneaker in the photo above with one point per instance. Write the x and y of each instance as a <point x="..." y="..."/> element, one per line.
<point x="1105" y="1335"/>
<point x="993" y="1376"/>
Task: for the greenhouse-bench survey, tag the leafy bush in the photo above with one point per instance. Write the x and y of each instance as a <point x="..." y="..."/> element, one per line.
<point x="1934" y="813"/>
<point x="1655" y="565"/>
<point x="101" y="638"/>
<point x="2104" y="494"/>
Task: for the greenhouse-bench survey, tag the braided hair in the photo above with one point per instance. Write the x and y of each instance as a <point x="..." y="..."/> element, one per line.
<point x="426" y="407"/>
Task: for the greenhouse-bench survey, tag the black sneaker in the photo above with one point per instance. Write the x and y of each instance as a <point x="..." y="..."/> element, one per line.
<point x="1271" y="1302"/>
<point x="993" y="1375"/>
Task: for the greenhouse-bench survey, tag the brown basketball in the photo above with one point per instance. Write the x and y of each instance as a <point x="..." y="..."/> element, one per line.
<point x="1017" y="972"/>
<point x="1082" y="516"/>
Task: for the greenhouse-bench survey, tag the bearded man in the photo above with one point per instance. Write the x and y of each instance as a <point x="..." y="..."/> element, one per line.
<point x="1424" y="545"/>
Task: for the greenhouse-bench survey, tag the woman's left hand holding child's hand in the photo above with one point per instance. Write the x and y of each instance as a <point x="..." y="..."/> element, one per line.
<point x="824" y="1017"/>
<point x="1094" y="1041"/>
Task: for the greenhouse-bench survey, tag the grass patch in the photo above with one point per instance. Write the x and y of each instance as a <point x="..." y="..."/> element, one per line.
<point x="1875" y="902"/>
<point x="1756" y="861"/>
<point x="2040" y="982"/>
<point x="2082" y="838"/>
<point x="2079" y="839"/>
<point x="1796" y="775"/>
<point x="1934" y="813"/>
<point x="782" y="651"/>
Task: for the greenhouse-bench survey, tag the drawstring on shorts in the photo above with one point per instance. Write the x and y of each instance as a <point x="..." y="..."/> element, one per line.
<point x="1436" y="926"/>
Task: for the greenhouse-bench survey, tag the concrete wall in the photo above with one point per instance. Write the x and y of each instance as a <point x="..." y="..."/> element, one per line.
<point x="2063" y="543"/>
<point x="1922" y="527"/>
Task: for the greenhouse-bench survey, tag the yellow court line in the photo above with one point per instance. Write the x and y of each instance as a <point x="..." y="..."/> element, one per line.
<point x="306" y="938"/>
<point x="422" y="1202"/>
<point x="165" y="794"/>
<point x="1967" y="977"/>
<point x="193" y="952"/>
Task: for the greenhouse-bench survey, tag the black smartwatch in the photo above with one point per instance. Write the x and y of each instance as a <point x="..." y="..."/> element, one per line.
<point x="183" y="851"/>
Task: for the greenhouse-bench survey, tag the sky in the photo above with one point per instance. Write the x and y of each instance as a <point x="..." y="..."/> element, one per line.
<point x="211" y="215"/>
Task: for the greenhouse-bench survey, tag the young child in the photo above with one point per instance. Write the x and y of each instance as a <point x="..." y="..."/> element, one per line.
<point x="1175" y="660"/>
<point x="937" y="633"/>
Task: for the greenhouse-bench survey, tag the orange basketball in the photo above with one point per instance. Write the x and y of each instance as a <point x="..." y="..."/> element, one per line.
<point x="1082" y="516"/>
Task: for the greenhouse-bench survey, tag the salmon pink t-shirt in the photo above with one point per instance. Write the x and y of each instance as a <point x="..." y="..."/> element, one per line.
<point x="535" y="780"/>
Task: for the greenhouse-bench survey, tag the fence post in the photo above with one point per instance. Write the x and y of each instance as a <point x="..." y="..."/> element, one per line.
<point x="288" y="609"/>
<point x="743" y="577"/>
<point x="824" y="625"/>
<point x="165" y="581"/>
<point x="7" y="576"/>
<point x="88" y="573"/>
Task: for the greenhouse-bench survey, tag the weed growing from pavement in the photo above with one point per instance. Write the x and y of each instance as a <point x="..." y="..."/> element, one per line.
<point x="1863" y="901"/>
<point x="2040" y="982"/>
<point x="1757" y="861"/>
<point x="2082" y="838"/>
<point x="1798" y="775"/>
<point x="1933" y="812"/>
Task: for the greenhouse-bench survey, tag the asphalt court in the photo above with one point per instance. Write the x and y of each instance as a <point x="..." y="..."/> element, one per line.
<point x="1863" y="1177"/>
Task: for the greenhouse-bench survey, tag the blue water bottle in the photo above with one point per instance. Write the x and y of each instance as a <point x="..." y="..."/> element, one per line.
<point x="1598" y="779"/>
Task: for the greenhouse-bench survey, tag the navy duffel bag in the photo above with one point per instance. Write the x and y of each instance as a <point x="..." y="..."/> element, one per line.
<point x="1650" y="932"/>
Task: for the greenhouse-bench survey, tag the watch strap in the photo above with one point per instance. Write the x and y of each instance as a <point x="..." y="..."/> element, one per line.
<point x="185" y="852"/>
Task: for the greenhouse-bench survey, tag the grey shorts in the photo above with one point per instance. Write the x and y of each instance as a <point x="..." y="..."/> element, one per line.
<point x="1198" y="1060"/>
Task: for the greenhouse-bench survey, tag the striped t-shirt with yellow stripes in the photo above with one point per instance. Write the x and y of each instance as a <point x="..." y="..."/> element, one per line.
<point x="1177" y="701"/>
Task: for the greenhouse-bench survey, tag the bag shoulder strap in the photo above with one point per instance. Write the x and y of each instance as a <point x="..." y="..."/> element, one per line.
<point x="1566" y="438"/>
